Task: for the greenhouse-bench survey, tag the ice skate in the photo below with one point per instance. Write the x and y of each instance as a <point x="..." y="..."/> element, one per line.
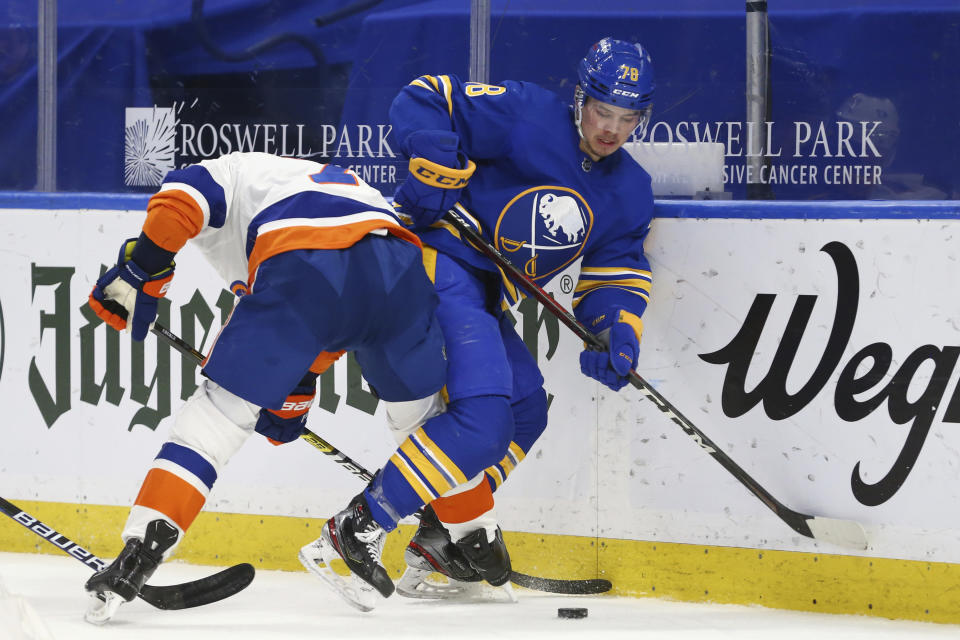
<point x="122" y="580"/>
<point x="490" y="558"/>
<point x="354" y="537"/>
<point x="431" y="551"/>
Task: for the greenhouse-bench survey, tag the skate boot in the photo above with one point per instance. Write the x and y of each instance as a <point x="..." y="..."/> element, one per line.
<point x="354" y="537"/>
<point x="432" y="551"/>
<point x="489" y="558"/>
<point x="122" y="580"/>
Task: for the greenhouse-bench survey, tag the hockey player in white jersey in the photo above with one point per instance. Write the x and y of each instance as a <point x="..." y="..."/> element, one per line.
<point x="328" y="269"/>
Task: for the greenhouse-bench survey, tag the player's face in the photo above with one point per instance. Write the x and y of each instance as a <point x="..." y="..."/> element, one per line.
<point x="605" y="128"/>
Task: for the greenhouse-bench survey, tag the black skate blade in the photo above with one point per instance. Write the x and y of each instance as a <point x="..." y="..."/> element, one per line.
<point x="552" y="585"/>
<point x="196" y="593"/>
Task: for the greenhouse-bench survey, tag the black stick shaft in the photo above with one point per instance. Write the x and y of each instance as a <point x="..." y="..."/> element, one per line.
<point x="51" y="535"/>
<point x="794" y="520"/>
<point x="169" y="597"/>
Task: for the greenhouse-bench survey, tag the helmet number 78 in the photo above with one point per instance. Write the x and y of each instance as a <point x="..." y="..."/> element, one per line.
<point x="628" y="72"/>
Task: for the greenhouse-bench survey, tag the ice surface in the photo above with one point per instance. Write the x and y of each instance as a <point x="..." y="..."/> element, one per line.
<point x="281" y="605"/>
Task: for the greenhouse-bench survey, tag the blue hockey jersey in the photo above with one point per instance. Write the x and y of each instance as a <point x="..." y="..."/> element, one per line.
<point x="535" y="195"/>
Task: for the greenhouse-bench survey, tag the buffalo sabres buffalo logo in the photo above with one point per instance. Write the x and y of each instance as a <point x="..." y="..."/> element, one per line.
<point x="545" y="228"/>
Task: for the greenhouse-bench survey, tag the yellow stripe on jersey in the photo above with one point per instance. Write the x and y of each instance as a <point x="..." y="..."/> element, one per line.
<point x="440" y="457"/>
<point x="636" y="293"/>
<point x="448" y="93"/>
<point x="633" y="320"/>
<point x="502" y="469"/>
<point x="496" y="475"/>
<point x="512" y="459"/>
<point x="635" y="281"/>
<point x="507" y="465"/>
<point x="440" y="84"/>
<point x="412" y="478"/>
<point x="438" y="483"/>
<point x="612" y="270"/>
<point x="586" y="285"/>
<point x="420" y="83"/>
<point x="513" y="295"/>
<point x="443" y="224"/>
<point x="430" y="262"/>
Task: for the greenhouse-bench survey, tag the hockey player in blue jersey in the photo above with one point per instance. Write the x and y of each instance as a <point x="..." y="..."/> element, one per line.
<point x="547" y="185"/>
<point x="328" y="268"/>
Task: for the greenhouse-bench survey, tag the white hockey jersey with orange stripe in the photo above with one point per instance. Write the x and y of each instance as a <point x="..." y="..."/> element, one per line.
<point x="242" y="208"/>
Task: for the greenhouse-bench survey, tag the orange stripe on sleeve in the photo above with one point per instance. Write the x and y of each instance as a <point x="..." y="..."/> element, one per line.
<point x="324" y="360"/>
<point x="173" y="217"/>
<point x="463" y="507"/>
<point x="172" y="496"/>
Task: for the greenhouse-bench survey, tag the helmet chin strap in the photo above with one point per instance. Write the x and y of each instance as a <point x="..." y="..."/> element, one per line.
<point x="579" y="98"/>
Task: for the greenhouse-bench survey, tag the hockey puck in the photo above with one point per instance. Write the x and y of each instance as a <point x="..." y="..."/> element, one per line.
<point x="573" y="612"/>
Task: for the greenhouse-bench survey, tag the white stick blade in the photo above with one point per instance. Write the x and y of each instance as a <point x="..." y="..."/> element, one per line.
<point x="845" y="533"/>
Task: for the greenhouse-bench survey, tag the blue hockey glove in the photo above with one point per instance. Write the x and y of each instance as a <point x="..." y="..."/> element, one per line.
<point x="126" y="296"/>
<point x="287" y="423"/>
<point x="612" y="366"/>
<point x="438" y="172"/>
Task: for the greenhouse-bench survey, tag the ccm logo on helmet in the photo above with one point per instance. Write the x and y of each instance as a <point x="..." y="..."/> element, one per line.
<point x="625" y="93"/>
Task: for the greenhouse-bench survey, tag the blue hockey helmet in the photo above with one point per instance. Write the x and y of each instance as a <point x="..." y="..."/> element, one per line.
<point x="619" y="73"/>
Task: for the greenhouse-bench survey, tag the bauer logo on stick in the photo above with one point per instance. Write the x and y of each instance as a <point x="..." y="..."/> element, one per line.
<point x="54" y="537"/>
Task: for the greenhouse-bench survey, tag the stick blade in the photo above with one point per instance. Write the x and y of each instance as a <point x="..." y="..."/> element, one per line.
<point x="551" y="585"/>
<point x="845" y="533"/>
<point x="200" y="592"/>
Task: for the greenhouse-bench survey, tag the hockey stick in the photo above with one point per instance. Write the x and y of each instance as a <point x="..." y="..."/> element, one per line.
<point x="169" y="597"/>
<point x="841" y="532"/>
<point x="549" y="585"/>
